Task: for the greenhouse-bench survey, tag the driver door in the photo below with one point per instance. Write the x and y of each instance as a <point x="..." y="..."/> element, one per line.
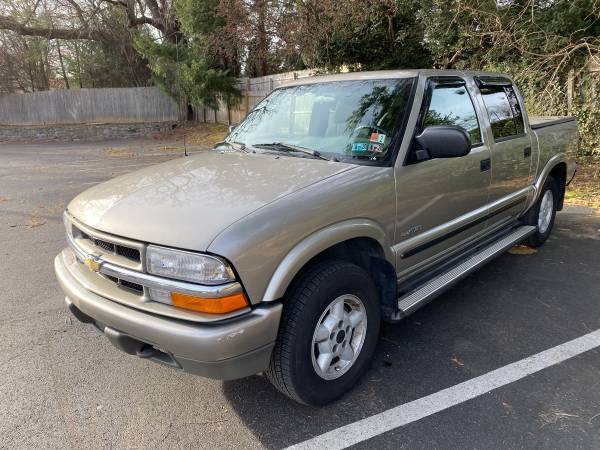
<point x="441" y="203"/>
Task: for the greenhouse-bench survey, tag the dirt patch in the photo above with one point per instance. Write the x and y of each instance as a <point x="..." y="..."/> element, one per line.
<point x="202" y="134"/>
<point x="119" y="152"/>
<point x="207" y="134"/>
<point x="585" y="188"/>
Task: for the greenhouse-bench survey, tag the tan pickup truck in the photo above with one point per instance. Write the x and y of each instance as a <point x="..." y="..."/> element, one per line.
<point x="339" y="201"/>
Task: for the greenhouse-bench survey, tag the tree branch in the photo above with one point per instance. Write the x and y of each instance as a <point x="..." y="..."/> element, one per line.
<point x="116" y="2"/>
<point x="48" y="32"/>
<point x="78" y="10"/>
<point x="136" y="21"/>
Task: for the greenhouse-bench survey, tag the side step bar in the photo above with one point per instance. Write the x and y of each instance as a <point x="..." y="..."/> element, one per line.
<point x="412" y="301"/>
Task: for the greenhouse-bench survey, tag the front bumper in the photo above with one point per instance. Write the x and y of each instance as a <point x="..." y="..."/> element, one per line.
<point x="234" y="348"/>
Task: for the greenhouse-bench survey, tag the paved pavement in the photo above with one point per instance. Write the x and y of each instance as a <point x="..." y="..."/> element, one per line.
<point x="62" y="385"/>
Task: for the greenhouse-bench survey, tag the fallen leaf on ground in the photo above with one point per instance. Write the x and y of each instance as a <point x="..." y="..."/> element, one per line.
<point x="522" y="250"/>
<point x="34" y="222"/>
<point x="554" y="416"/>
<point x="457" y="361"/>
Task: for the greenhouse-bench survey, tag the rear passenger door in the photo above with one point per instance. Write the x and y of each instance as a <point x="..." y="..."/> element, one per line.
<point x="510" y="149"/>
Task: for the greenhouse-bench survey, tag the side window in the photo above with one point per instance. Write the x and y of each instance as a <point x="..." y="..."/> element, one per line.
<point x="452" y="105"/>
<point x="503" y="110"/>
<point x="516" y="109"/>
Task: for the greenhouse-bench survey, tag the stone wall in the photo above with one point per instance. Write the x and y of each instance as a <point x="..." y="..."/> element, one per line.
<point x="83" y="132"/>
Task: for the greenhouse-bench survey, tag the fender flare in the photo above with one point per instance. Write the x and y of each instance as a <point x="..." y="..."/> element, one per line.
<point x="316" y="243"/>
<point x="541" y="179"/>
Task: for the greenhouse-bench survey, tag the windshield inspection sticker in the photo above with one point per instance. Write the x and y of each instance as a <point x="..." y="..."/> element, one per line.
<point x="377" y="137"/>
<point x="375" y="148"/>
<point x="359" y="147"/>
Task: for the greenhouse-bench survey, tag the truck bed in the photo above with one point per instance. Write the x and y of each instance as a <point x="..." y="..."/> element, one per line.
<point x="545" y="121"/>
<point x="555" y="134"/>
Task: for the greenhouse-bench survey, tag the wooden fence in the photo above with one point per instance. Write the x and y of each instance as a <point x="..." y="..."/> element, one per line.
<point x="113" y="105"/>
<point x="128" y="105"/>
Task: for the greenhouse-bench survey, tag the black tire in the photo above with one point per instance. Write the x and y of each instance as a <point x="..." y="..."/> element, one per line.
<point x="532" y="217"/>
<point x="291" y="369"/>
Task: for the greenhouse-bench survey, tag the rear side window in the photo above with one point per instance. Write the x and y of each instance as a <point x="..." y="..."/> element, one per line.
<point x="452" y="105"/>
<point x="504" y="111"/>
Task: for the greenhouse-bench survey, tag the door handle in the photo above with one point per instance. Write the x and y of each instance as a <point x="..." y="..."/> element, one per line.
<point x="485" y="164"/>
<point x="527" y="152"/>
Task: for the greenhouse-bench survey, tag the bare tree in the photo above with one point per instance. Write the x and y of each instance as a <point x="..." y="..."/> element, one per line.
<point x="83" y="19"/>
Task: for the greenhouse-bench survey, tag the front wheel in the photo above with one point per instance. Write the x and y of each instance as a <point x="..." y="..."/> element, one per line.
<point x="328" y="334"/>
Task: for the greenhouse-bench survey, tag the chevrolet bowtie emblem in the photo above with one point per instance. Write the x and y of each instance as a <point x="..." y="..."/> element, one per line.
<point x="93" y="262"/>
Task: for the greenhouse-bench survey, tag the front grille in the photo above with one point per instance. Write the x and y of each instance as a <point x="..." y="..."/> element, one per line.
<point x="130" y="253"/>
<point x="137" y="288"/>
<point x="132" y="286"/>
<point x="109" y="247"/>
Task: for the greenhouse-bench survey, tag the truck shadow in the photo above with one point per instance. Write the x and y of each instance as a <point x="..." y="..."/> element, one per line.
<point x="510" y="309"/>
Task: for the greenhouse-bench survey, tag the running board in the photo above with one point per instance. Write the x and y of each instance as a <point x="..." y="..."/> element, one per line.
<point x="412" y="301"/>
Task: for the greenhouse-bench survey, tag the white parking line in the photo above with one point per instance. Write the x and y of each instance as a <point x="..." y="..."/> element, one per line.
<point x="369" y="427"/>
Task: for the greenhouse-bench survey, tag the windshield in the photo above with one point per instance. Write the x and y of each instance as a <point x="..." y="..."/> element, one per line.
<point x="351" y="121"/>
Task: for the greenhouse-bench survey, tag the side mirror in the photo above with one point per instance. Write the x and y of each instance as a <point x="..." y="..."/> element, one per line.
<point x="233" y="126"/>
<point x="444" y="141"/>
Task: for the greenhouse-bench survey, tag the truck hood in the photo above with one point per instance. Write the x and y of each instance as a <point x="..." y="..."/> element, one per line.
<point x="186" y="202"/>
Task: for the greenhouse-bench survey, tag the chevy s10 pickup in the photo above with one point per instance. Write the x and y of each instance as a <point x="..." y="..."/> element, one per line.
<point x="339" y="201"/>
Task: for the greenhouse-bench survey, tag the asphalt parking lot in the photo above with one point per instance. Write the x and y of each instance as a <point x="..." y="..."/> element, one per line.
<point x="62" y="384"/>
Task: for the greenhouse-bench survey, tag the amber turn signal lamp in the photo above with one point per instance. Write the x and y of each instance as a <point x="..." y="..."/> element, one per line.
<point x="219" y="305"/>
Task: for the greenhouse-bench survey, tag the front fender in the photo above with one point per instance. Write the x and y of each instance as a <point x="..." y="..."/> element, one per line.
<point x="316" y="243"/>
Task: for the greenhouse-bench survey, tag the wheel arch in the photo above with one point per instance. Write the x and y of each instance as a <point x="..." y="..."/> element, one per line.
<point x="557" y="168"/>
<point x="362" y="242"/>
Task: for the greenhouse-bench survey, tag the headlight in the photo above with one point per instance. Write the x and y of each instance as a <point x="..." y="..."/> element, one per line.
<point x="187" y="266"/>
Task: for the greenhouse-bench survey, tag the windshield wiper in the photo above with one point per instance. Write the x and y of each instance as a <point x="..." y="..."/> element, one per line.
<point x="282" y="146"/>
<point x="235" y="144"/>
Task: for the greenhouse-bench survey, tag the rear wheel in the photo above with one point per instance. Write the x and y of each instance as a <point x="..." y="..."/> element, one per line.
<point x="328" y="333"/>
<point x="542" y="214"/>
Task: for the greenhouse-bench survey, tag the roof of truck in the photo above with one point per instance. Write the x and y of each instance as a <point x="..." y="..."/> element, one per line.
<point x="388" y="74"/>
